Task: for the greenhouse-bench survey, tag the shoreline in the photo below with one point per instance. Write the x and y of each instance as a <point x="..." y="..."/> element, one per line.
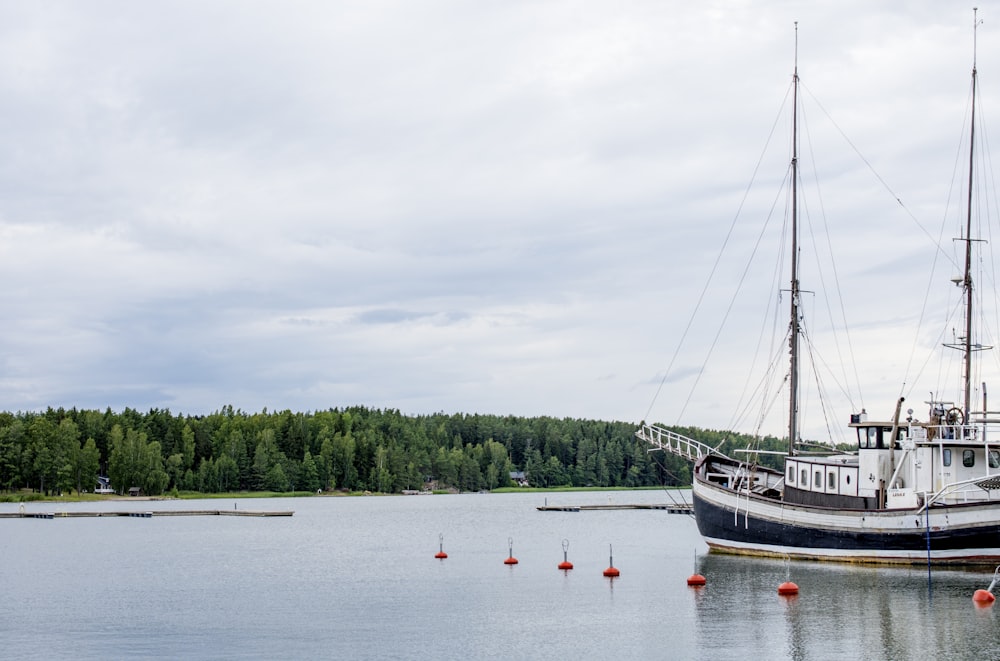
<point x="84" y="498"/>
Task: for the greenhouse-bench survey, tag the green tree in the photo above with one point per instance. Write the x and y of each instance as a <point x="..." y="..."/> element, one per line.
<point x="87" y="464"/>
<point x="266" y="456"/>
<point x="134" y="462"/>
<point x="344" y="471"/>
<point x="310" y="474"/>
<point x="43" y="452"/>
<point x="208" y="480"/>
<point x="277" y="480"/>
<point x="228" y="473"/>
<point x="187" y="447"/>
<point x="12" y="442"/>
<point x="66" y="451"/>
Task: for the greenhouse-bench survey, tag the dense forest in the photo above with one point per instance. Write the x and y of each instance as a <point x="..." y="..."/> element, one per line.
<point x="353" y="449"/>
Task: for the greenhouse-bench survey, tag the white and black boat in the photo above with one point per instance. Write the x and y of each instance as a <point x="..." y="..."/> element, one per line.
<point x="912" y="491"/>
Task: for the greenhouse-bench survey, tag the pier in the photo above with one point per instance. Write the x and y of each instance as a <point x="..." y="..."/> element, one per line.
<point x="141" y="514"/>
<point x="681" y="508"/>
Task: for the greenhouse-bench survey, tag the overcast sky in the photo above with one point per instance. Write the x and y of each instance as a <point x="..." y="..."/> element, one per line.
<point x="484" y="207"/>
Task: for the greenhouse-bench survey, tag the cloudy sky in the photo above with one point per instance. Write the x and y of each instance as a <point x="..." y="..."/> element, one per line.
<point x="485" y="207"/>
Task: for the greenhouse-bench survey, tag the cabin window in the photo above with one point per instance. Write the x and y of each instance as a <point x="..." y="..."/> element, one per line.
<point x="791" y="474"/>
<point x="818" y="479"/>
<point x="994" y="458"/>
<point x="968" y="458"/>
<point x="805" y="478"/>
<point x="831" y="480"/>
<point x="946" y="457"/>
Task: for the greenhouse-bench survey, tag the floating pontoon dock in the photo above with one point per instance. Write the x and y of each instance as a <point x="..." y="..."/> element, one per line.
<point x="681" y="508"/>
<point x="145" y="515"/>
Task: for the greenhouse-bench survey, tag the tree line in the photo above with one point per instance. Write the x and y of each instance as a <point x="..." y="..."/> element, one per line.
<point x="351" y="449"/>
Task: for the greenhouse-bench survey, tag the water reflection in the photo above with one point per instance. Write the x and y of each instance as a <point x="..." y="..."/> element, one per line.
<point x="842" y="611"/>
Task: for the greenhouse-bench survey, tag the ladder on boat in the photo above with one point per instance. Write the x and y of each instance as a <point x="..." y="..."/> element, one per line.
<point x="672" y="442"/>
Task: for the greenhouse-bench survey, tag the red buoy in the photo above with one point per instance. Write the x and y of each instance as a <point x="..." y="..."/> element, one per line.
<point x="611" y="571"/>
<point x="696" y="580"/>
<point x="511" y="560"/>
<point x="441" y="555"/>
<point x="787" y="589"/>
<point x="565" y="565"/>
<point x="983" y="597"/>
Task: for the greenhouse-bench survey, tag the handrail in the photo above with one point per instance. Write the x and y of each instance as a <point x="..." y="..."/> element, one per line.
<point x="954" y="486"/>
<point x="674" y="443"/>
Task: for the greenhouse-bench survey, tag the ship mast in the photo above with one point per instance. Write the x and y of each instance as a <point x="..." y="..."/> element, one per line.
<point x="967" y="347"/>
<point x="964" y="342"/>
<point x="793" y="383"/>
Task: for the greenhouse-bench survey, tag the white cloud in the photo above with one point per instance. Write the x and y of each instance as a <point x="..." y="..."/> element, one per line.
<point x="504" y="207"/>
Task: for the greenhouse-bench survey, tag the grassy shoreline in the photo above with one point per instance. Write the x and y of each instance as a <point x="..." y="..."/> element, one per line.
<point x="25" y="497"/>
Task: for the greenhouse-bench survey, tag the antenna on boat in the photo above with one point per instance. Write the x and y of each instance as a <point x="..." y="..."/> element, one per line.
<point x="793" y="341"/>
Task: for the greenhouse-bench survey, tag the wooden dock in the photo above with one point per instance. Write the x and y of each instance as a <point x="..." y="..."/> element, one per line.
<point x="142" y="515"/>
<point x="682" y="508"/>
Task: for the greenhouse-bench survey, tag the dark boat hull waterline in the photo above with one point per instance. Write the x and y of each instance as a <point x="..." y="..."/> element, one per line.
<point x="737" y="523"/>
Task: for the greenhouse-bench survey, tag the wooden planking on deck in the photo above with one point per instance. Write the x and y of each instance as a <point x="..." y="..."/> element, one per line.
<point x="671" y="509"/>
<point x="140" y="514"/>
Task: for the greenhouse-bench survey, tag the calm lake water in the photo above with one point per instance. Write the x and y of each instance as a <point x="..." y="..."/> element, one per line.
<point x="356" y="578"/>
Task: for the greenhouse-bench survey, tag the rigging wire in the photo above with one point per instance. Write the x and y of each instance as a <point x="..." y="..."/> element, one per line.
<point x="725" y="317"/>
<point x="771" y="313"/>
<point x="882" y="181"/>
<point x="715" y="265"/>
<point x="836" y="279"/>
<point x="988" y="185"/>
<point x="985" y="270"/>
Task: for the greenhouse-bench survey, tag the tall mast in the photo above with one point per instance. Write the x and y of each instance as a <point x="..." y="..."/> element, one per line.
<point x="967" y="281"/>
<point x="964" y="342"/>
<point x="793" y="382"/>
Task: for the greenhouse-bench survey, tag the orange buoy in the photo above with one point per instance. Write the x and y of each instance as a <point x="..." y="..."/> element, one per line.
<point x="983" y="597"/>
<point x="565" y="565"/>
<point x="511" y="560"/>
<point x="787" y="589"/>
<point x="441" y="555"/>
<point x="611" y="571"/>
<point x="696" y="580"/>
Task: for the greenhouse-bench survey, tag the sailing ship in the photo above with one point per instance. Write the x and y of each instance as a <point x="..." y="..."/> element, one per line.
<point x="912" y="491"/>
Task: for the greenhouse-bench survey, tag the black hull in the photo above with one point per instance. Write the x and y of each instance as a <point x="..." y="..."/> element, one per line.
<point x="750" y="534"/>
